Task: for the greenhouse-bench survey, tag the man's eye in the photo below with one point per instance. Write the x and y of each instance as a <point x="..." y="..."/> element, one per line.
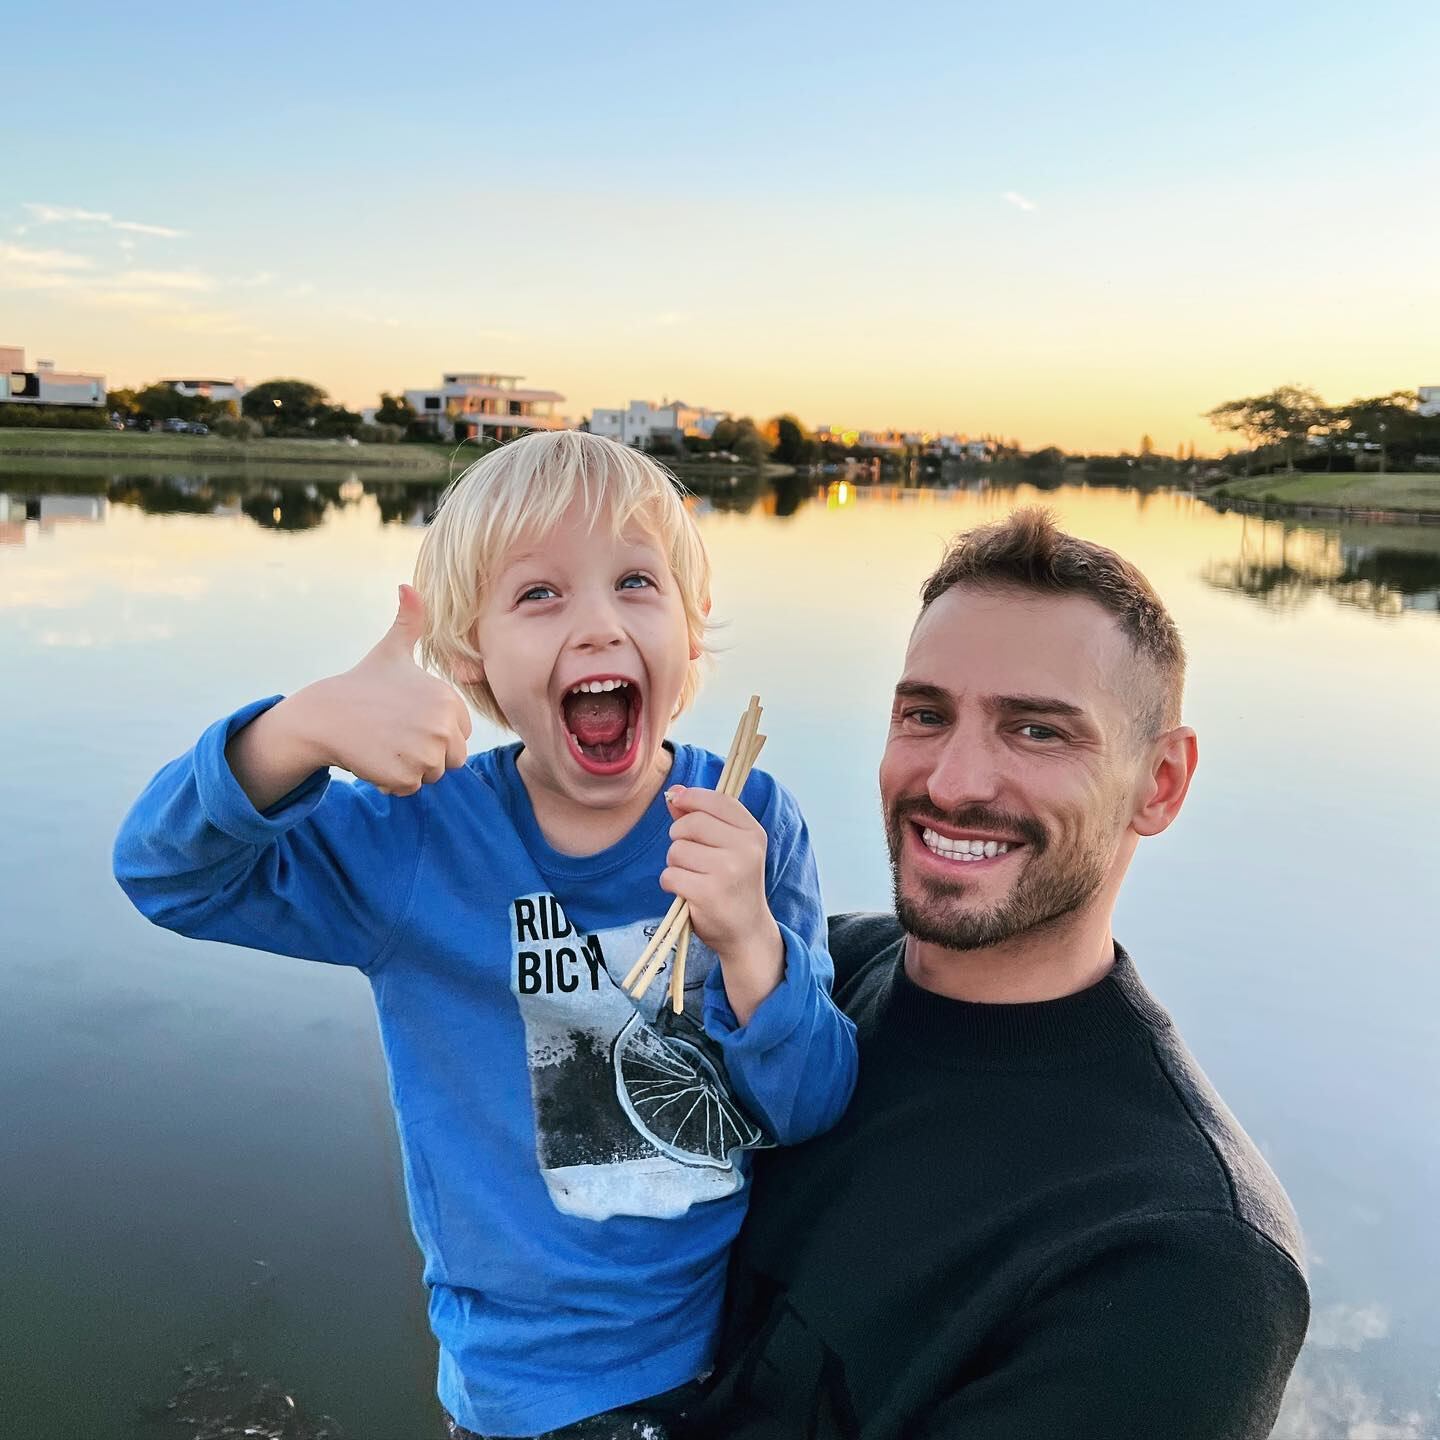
<point x="538" y="592"/>
<point x="635" y="581"/>
<point x="925" y="717"/>
<point x="1040" y="732"/>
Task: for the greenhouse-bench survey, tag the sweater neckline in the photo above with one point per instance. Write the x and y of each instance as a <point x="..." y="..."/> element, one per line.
<point x="1116" y="1011"/>
<point x="651" y="827"/>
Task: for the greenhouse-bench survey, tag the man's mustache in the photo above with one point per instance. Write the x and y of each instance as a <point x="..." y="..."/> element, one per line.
<point x="971" y="817"/>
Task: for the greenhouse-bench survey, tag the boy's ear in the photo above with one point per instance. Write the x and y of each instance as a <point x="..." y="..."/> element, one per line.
<point x="696" y="651"/>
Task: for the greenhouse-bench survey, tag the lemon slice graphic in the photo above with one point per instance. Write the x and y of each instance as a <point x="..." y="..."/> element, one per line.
<point x="675" y="1099"/>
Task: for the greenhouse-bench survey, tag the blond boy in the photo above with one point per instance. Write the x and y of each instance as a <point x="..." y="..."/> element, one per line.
<point x="575" y="1161"/>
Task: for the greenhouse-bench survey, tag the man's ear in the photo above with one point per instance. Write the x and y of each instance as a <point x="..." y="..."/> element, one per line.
<point x="1170" y="768"/>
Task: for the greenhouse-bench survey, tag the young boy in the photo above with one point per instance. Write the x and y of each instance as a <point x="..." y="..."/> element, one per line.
<point x="574" y="1159"/>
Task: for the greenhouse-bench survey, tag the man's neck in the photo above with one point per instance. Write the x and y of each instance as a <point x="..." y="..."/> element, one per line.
<point x="1047" y="964"/>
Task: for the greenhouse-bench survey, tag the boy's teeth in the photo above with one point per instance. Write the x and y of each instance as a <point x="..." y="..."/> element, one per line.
<point x="596" y="687"/>
<point x="629" y="737"/>
<point x="966" y="850"/>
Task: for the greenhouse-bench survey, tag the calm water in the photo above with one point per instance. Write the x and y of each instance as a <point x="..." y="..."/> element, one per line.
<point x="197" y="1165"/>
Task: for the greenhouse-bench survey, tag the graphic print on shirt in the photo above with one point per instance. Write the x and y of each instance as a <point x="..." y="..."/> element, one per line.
<point x="633" y="1113"/>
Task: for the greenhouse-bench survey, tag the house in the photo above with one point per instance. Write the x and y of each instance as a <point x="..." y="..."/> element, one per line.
<point x="641" y="423"/>
<point x="223" y="391"/>
<point x="475" y="405"/>
<point x="45" y="385"/>
<point x="1427" y="399"/>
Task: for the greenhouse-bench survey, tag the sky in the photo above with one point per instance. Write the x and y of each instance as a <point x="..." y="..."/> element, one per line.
<point x="1071" y="225"/>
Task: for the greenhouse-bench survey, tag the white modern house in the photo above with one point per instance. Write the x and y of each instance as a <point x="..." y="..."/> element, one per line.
<point x="478" y="405"/>
<point x="640" y="422"/>
<point x="45" y="385"/>
<point x="232" y="391"/>
<point x="1428" y="400"/>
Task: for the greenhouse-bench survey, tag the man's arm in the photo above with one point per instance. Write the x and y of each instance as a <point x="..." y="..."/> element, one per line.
<point x="1184" y="1327"/>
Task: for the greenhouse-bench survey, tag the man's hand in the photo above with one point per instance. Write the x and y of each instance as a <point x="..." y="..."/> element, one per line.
<point x="716" y="862"/>
<point x="385" y="720"/>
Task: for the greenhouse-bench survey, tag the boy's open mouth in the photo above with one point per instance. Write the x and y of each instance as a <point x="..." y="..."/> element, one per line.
<point x="601" y="716"/>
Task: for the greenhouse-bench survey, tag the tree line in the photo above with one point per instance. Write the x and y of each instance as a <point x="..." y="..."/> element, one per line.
<point x="1293" y="423"/>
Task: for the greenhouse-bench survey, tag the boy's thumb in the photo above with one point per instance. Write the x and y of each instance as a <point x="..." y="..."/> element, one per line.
<point x="409" y="623"/>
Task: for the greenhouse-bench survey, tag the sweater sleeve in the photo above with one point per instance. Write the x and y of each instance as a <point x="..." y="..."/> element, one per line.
<point x="1184" y="1327"/>
<point x="324" y="874"/>
<point x="794" y="1064"/>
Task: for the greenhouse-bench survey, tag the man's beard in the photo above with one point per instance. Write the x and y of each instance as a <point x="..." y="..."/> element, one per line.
<point x="1051" y="885"/>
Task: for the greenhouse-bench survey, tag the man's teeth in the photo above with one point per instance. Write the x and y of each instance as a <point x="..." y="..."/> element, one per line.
<point x="596" y="687"/>
<point x="966" y="850"/>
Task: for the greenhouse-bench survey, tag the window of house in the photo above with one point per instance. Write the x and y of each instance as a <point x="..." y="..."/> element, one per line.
<point x="432" y="402"/>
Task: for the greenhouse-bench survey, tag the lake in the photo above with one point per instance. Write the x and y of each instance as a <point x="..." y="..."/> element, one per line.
<point x="201" y="1197"/>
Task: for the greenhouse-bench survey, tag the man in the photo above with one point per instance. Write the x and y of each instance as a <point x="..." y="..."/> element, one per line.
<point x="1037" y="1219"/>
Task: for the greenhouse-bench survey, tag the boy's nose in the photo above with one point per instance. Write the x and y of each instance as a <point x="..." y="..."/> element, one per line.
<point x="599" y="629"/>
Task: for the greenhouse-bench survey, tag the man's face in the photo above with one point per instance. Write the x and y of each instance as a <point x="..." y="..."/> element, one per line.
<point x="1012" y="767"/>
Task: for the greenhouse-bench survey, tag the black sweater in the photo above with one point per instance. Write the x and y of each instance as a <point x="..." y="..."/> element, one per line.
<point x="1034" y="1221"/>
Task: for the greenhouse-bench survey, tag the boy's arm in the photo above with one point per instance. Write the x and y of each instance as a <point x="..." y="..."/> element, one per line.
<point x="323" y="874"/>
<point x="245" y="840"/>
<point x="789" y="1050"/>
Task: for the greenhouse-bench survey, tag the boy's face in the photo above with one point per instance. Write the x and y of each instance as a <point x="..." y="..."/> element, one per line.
<point x="580" y="607"/>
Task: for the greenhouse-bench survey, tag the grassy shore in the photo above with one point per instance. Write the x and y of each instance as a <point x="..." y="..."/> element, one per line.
<point x="155" y="445"/>
<point x="1368" y="492"/>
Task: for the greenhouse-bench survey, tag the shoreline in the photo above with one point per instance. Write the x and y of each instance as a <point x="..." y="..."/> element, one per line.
<point x="1406" y="497"/>
<point x="137" y="445"/>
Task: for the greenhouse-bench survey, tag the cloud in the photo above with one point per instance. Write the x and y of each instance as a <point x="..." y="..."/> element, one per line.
<point x="75" y="215"/>
<point x="165" y="280"/>
<point x="1015" y="198"/>
<point x="44" y="259"/>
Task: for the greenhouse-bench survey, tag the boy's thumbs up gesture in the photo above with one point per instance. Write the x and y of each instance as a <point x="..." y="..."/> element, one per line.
<point x="385" y="720"/>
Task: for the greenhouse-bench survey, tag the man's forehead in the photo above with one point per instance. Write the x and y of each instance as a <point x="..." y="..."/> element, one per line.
<point x="1018" y="642"/>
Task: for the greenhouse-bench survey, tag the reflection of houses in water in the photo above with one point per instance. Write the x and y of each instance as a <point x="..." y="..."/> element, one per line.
<point x="1283" y="566"/>
<point x="47" y="512"/>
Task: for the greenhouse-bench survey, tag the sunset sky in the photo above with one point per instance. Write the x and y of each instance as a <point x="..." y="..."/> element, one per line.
<point x="1062" y="223"/>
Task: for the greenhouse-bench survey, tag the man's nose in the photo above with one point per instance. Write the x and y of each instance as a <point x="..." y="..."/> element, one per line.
<point x="966" y="772"/>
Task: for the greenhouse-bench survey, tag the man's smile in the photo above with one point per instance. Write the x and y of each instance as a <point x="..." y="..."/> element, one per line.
<point x="963" y="847"/>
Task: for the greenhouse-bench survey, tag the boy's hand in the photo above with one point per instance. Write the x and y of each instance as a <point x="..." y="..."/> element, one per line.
<point x="717" y="863"/>
<point x="385" y="720"/>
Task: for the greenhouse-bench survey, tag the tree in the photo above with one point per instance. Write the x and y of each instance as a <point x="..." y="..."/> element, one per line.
<point x="395" y="410"/>
<point x="121" y="402"/>
<point x="793" y="446"/>
<point x="286" y="405"/>
<point x="1381" y="420"/>
<point x="1282" y="417"/>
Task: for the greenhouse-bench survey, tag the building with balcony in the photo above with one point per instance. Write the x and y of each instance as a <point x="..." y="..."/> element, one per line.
<point x="474" y="405"/>
<point x="45" y="385"/>
<point x="641" y="423"/>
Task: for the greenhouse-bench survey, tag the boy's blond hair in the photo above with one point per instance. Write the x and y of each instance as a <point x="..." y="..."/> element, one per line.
<point x="524" y="489"/>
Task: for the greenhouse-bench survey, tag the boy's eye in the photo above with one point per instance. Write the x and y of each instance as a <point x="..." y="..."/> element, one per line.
<point x="538" y="592"/>
<point x="634" y="581"/>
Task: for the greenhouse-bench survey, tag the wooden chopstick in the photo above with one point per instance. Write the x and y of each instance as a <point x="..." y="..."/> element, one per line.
<point x="674" y="929"/>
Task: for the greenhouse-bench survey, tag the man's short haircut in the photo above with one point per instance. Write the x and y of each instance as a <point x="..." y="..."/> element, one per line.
<point x="520" y="492"/>
<point x="1027" y="551"/>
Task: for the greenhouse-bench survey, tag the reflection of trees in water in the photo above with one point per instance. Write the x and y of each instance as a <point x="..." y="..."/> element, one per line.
<point x="288" y="507"/>
<point x="1283" y="566"/>
<point x="405" y="502"/>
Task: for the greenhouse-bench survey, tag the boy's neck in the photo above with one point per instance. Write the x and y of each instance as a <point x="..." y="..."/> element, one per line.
<point x="577" y="829"/>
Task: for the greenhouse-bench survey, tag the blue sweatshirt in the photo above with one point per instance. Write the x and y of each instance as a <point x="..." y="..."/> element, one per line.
<point x="575" y="1161"/>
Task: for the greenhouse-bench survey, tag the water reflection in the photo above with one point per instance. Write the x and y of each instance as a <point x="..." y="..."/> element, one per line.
<point x="244" y="1112"/>
<point x="1385" y="570"/>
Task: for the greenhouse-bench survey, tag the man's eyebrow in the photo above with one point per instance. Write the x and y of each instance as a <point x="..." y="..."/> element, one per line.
<point x="1033" y="705"/>
<point x="919" y="690"/>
